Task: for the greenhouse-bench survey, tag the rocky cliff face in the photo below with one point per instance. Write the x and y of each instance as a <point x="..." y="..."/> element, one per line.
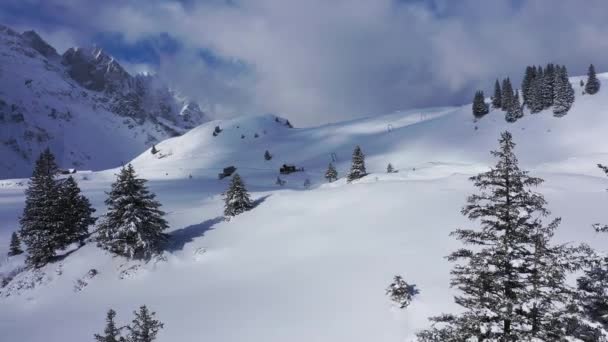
<point x="83" y="105"/>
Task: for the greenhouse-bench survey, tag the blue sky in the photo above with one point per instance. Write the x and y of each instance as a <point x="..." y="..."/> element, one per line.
<point x="319" y="61"/>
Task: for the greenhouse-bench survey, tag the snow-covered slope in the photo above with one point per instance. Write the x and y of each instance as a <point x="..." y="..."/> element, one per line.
<point x="306" y="265"/>
<point x="82" y="104"/>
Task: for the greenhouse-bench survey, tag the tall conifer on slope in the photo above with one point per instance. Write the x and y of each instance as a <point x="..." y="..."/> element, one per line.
<point x="480" y="108"/>
<point x="563" y="96"/>
<point x="593" y="84"/>
<point x="548" y="86"/>
<point x="513" y="280"/>
<point x="236" y="198"/>
<point x="357" y="169"/>
<point x="111" y="333"/>
<point x="41" y="219"/>
<point x="15" y="245"/>
<point x="331" y="174"/>
<point x="76" y="212"/>
<point x="515" y="110"/>
<point x="535" y="95"/>
<point x="526" y="84"/>
<point x="507" y="94"/>
<point x="144" y="327"/>
<point x="497" y="98"/>
<point x="134" y="224"/>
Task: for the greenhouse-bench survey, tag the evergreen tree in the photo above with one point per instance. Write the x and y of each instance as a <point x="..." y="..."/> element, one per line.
<point x="515" y="110"/>
<point x="76" y="213"/>
<point x="526" y="84"/>
<point x="236" y="198"/>
<point x="144" y="327"/>
<point x="357" y="169"/>
<point x="41" y="219"/>
<point x="15" y="246"/>
<point x="593" y="84"/>
<point x="111" y="333"/>
<point x="497" y="98"/>
<point x="134" y="224"/>
<point x="154" y="150"/>
<point x="535" y="95"/>
<point x="564" y="93"/>
<point x="401" y="292"/>
<point x="507" y="94"/>
<point x="480" y="108"/>
<point x="267" y="155"/>
<point x="513" y="280"/>
<point x="548" y="85"/>
<point x="331" y="174"/>
<point x="390" y="168"/>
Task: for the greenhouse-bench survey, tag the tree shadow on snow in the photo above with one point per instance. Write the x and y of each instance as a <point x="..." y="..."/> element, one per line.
<point x="259" y="201"/>
<point x="179" y="238"/>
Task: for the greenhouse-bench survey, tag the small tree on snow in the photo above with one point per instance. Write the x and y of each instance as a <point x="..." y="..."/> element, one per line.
<point x="154" y="150"/>
<point x="480" y="108"/>
<point x="134" y="224"/>
<point x="357" y="169"/>
<point x="401" y="292"/>
<point x="390" y="168"/>
<point x="267" y="155"/>
<point x="144" y="327"/>
<point x="593" y="84"/>
<point x="331" y="174"/>
<point x="111" y="333"/>
<point x="15" y="246"/>
<point x="236" y="198"/>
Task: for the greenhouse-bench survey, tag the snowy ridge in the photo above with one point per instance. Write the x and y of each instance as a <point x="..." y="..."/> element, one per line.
<point x="307" y="265"/>
<point x="83" y="105"/>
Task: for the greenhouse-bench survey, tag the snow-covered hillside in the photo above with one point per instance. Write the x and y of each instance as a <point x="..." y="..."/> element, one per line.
<point x="82" y="104"/>
<point x="306" y="265"/>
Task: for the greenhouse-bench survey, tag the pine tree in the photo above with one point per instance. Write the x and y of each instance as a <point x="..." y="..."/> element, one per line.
<point x="144" y="327"/>
<point x="267" y="155"/>
<point x="15" y="246"/>
<point x="507" y="94"/>
<point x="76" y="213"/>
<point x="357" y="169"/>
<point x="390" y="168"/>
<point x="331" y="174"/>
<point x="41" y="222"/>
<point x="513" y="279"/>
<point x="154" y="150"/>
<point x="535" y="95"/>
<point x="134" y="224"/>
<point x="401" y="292"/>
<point x="548" y="85"/>
<point x="497" y="98"/>
<point x="236" y="198"/>
<point x="480" y="108"/>
<point x="563" y="98"/>
<point x="111" y="333"/>
<point x="593" y="84"/>
<point x="526" y="84"/>
<point x="515" y="110"/>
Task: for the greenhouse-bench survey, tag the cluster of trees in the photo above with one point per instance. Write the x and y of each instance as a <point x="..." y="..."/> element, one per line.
<point x="512" y="276"/>
<point x="541" y="88"/>
<point x="143" y="328"/>
<point x="56" y="214"/>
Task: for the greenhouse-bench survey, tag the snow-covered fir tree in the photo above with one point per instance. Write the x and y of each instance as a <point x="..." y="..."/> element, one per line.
<point x="548" y="85"/>
<point x="134" y="224"/>
<point x="593" y="84"/>
<point x="400" y="292"/>
<point x="535" y="94"/>
<point x="497" y="98"/>
<point x="76" y="213"/>
<point x="267" y="155"/>
<point x="526" y="84"/>
<point x="511" y="277"/>
<point x="144" y="326"/>
<point x="563" y="96"/>
<point x="15" y="245"/>
<point x="41" y="218"/>
<point x="236" y="198"/>
<point x="331" y="174"/>
<point x="480" y="108"/>
<point x="111" y="333"/>
<point x="357" y="169"/>
<point x="514" y="111"/>
<point x="507" y="94"/>
<point x="390" y="168"/>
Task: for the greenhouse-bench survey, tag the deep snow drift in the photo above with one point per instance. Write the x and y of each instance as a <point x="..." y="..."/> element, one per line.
<point x="306" y="265"/>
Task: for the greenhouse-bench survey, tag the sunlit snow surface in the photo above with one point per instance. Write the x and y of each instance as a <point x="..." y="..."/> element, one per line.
<point x="308" y="265"/>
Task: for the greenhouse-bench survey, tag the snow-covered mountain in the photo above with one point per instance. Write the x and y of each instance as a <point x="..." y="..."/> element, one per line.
<point x="83" y="105"/>
<point x="306" y="264"/>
